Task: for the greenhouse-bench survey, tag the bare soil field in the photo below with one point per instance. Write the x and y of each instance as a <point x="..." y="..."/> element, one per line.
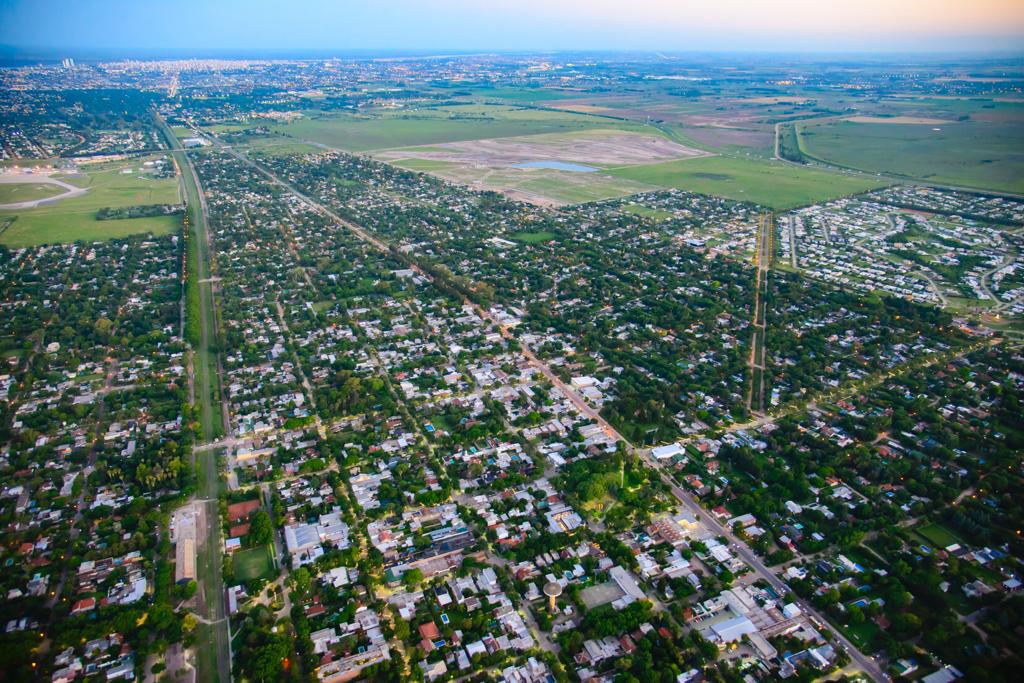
<point x="605" y="148"/>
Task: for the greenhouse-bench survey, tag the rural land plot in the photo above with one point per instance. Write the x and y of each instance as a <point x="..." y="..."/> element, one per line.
<point x="776" y="185"/>
<point x="388" y="129"/>
<point x="984" y="155"/>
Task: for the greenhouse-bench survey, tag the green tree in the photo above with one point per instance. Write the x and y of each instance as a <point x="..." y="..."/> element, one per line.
<point x="261" y="530"/>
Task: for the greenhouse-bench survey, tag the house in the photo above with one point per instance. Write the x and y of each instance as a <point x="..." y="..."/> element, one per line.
<point x="83" y="606"/>
<point x="946" y="674"/>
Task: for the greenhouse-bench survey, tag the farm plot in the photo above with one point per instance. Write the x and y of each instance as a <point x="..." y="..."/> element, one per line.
<point x="775" y="185"/>
<point x="981" y="154"/>
<point x="388" y="129"/>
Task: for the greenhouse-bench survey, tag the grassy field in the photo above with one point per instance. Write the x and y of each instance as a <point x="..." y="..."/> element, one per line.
<point x="566" y="187"/>
<point x="773" y="184"/>
<point x="938" y="535"/>
<point x="424" y="165"/>
<point x="985" y="155"/>
<point x="386" y="129"/>
<point x="647" y="212"/>
<point x="274" y="146"/>
<point x="253" y="563"/>
<point x="26" y="192"/>
<point x="520" y="94"/>
<point x="533" y="237"/>
<point x="74" y="219"/>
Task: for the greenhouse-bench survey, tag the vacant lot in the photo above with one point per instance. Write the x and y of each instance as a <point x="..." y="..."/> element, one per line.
<point x="777" y="185"/>
<point x="600" y="594"/>
<point x="595" y="148"/>
<point x="982" y="154"/>
<point x="254" y="563"/>
<point x="546" y="169"/>
<point x="74" y="219"/>
<point x="533" y="237"/>
<point x="647" y="211"/>
<point x="543" y="186"/>
<point x="385" y="129"/>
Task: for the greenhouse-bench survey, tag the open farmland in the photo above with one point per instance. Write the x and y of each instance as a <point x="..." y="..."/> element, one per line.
<point x="73" y="219"/>
<point x="773" y="184"/>
<point x="385" y="129"/>
<point x="981" y="154"/>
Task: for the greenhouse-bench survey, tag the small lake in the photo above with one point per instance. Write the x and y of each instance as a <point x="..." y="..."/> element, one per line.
<point x="557" y="165"/>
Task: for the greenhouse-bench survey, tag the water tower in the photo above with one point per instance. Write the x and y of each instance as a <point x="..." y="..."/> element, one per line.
<point x="552" y="590"/>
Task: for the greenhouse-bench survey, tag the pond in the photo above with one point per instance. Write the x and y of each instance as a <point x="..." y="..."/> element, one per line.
<point x="556" y="165"/>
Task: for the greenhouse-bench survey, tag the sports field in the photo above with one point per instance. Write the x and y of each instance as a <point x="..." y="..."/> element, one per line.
<point x="11" y="193"/>
<point x="981" y="154"/>
<point x="774" y="184"/>
<point x="74" y="219"/>
<point x="253" y="563"/>
<point x="388" y="129"/>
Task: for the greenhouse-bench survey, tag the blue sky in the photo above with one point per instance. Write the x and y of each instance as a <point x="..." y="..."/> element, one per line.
<point x="735" y="25"/>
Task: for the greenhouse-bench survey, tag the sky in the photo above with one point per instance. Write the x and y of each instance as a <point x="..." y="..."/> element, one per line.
<point x="264" y="26"/>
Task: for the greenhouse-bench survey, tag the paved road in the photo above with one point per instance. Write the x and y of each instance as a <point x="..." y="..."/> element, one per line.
<point x="20" y="178"/>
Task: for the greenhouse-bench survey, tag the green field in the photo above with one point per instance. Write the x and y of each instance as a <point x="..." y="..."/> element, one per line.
<point x="521" y="94"/>
<point x="254" y="563"/>
<point x="774" y="184"/>
<point x="387" y="129"/>
<point x="74" y="219"/>
<point x="11" y="193"/>
<point x="566" y="187"/>
<point x="647" y="212"/>
<point x="424" y="165"/>
<point x="533" y="237"/>
<point x="985" y="155"/>
<point x="278" y="146"/>
<point x="938" y="535"/>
